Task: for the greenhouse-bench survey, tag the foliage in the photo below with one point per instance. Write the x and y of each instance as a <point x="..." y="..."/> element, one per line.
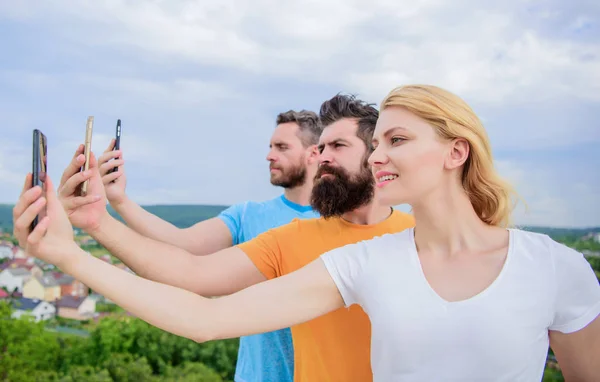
<point x="121" y="348"/>
<point x="581" y="245"/>
<point x="65" y="322"/>
<point x="130" y="335"/>
<point x="103" y="307"/>
<point x="24" y="345"/>
<point x="594" y="262"/>
<point x="552" y="374"/>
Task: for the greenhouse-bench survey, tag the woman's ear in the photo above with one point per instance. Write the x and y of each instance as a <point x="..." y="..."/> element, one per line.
<point x="459" y="153"/>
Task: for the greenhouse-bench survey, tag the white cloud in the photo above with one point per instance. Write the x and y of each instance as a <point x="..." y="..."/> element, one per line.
<point x="490" y="55"/>
<point x="197" y="85"/>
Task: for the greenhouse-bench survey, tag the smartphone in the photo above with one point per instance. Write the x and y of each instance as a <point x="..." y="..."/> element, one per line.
<point x="40" y="168"/>
<point x="117" y="143"/>
<point x="82" y="191"/>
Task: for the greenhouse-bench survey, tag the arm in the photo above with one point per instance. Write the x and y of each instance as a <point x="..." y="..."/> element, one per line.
<point x="203" y="238"/>
<point x="225" y="272"/>
<point x="575" y="329"/>
<point x="288" y="300"/>
<point x="218" y="274"/>
<point x="578" y="353"/>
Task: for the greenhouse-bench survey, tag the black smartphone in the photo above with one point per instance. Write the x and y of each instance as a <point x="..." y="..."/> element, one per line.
<point x="40" y="168"/>
<point x="117" y="142"/>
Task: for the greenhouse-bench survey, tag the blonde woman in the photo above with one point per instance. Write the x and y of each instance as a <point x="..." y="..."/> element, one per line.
<point x="461" y="297"/>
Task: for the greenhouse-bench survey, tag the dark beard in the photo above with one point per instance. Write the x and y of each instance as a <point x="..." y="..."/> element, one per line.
<point x="342" y="193"/>
<point x="291" y="178"/>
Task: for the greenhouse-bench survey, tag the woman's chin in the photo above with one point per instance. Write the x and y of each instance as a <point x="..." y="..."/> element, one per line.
<point x="390" y="198"/>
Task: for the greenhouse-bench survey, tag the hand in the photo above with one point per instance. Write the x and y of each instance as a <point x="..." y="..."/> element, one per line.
<point x="85" y="212"/>
<point x="52" y="238"/>
<point x="114" y="182"/>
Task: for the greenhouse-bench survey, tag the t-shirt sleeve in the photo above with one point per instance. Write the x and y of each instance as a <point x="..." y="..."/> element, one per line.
<point x="577" y="299"/>
<point x="265" y="251"/>
<point x="346" y="267"/>
<point x="232" y="217"/>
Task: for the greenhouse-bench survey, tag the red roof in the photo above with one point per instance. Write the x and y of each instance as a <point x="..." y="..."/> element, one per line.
<point x="3" y="294"/>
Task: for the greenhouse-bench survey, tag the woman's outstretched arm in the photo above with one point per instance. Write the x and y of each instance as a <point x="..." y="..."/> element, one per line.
<point x="278" y="303"/>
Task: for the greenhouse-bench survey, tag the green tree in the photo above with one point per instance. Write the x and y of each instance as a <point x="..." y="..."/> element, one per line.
<point x="190" y="372"/>
<point x="552" y="375"/>
<point x="24" y="346"/>
<point x="124" y="367"/>
<point x="162" y="350"/>
<point x="86" y="373"/>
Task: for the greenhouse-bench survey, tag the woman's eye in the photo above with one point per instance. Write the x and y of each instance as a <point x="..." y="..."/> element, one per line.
<point x="397" y="139"/>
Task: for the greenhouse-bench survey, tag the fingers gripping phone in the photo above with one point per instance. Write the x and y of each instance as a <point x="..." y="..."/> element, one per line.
<point x="40" y="168"/>
<point x="117" y="143"/>
<point x="83" y="187"/>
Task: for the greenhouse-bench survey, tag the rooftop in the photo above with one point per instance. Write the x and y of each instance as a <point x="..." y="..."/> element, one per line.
<point x="24" y="303"/>
<point x="70" y="302"/>
<point x="19" y="272"/>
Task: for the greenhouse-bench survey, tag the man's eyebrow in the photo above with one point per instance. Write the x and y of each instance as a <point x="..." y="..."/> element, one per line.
<point x="333" y="142"/>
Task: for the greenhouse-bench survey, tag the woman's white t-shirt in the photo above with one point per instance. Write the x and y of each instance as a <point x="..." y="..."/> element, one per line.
<point x="501" y="334"/>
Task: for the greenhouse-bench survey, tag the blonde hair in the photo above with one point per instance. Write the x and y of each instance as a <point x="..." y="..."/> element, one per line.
<point x="452" y="118"/>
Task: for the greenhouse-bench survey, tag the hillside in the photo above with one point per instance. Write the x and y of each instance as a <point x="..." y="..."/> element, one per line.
<point x="186" y="215"/>
<point x="179" y="215"/>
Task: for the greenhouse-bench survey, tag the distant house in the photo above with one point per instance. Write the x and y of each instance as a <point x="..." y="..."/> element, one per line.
<point x="597" y="237"/>
<point x="69" y="286"/>
<point x="76" y="308"/>
<point x="27" y="263"/>
<point x="18" y="253"/>
<point x="14" y="278"/>
<point x="42" y="288"/>
<point x="6" y="251"/>
<point x="39" y="309"/>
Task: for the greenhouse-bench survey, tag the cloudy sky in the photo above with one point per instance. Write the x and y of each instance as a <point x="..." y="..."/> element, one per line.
<point x="198" y="84"/>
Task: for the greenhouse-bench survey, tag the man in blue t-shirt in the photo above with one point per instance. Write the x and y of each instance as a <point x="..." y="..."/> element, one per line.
<point x="293" y="162"/>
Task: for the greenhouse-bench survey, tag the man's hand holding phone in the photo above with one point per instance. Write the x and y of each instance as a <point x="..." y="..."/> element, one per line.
<point x="114" y="181"/>
<point x="85" y="212"/>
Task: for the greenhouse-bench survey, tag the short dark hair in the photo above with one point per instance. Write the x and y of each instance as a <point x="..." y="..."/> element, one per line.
<point x="343" y="106"/>
<point x="309" y="125"/>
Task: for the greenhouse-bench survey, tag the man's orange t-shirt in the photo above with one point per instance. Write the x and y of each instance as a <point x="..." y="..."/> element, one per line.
<point x="336" y="346"/>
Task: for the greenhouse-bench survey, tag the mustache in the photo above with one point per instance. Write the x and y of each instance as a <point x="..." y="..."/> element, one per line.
<point x="327" y="169"/>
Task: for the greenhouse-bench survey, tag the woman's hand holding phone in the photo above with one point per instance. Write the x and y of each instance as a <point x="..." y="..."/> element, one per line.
<point x="114" y="181"/>
<point x="52" y="238"/>
<point x="85" y="212"/>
